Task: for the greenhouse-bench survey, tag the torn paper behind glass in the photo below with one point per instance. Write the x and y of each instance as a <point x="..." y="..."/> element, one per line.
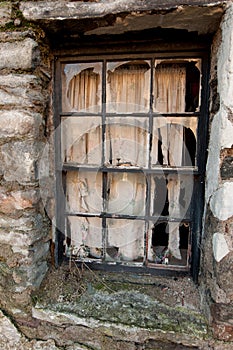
<point x="125" y="142"/>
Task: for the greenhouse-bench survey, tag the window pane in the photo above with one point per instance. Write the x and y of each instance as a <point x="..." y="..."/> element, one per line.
<point x="177" y="86"/>
<point x="126" y="193"/>
<point x="174" y="141"/>
<point x="84" y="237"/>
<point x="127" y="142"/>
<point x="125" y="240"/>
<point x="82" y="87"/>
<point x="128" y="86"/>
<point x="82" y="140"/>
<point x="83" y="192"/>
<point x="169" y="243"/>
<point x="171" y="195"/>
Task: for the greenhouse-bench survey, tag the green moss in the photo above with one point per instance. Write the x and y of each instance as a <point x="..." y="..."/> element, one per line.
<point x="3" y="3"/>
<point x="114" y="300"/>
<point x="134" y="309"/>
<point x="4" y="269"/>
<point x="16" y="14"/>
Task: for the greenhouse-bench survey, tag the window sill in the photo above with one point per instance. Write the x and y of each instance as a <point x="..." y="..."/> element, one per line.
<point x="136" y="304"/>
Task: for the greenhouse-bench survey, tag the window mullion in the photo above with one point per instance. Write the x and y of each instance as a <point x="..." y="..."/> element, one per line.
<point x="104" y="174"/>
<point x="148" y="177"/>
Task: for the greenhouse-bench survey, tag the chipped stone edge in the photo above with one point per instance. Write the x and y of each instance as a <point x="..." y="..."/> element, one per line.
<point x="44" y="10"/>
<point x="121" y="331"/>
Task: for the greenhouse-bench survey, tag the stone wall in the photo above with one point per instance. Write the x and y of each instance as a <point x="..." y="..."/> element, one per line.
<point x="24" y="227"/>
<point x="25" y="124"/>
<point x="217" y="246"/>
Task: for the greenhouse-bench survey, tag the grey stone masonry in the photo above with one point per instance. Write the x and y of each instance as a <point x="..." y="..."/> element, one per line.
<point x="24" y="226"/>
<point x="23" y="55"/>
<point x="91" y="9"/>
<point x="217" y="248"/>
<point x="16" y="124"/>
<point x="32" y="35"/>
<point x="5" y="13"/>
<point x="20" y="91"/>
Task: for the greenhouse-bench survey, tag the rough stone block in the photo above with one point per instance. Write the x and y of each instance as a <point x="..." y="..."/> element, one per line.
<point x="9" y="334"/>
<point x="225" y="64"/>
<point x="220" y="247"/>
<point x="221" y="202"/>
<point x="224" y="277"/>
<point x="223" y="331"/>
<point x="31" y="275"/>
<point x="16" y="36"/>
<point x="20" y="90"/>
<point x="5" y="13"/>
<point x="28" y="257"/>
<point x="16" y="124"/>
<point x="36" y="273"/>
<point x="19" y="55"/>
<point x="34" y="254"/>
<point x="227" y="168"/>
<point x="22" y="232"/>
<point x="20" y="161"/>
<point x="11" y="338"/>
<point x="222" y="315"/>
<point x="12" y="202"/>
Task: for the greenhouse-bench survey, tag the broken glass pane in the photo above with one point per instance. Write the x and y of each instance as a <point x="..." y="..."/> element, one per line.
<point x="127" y="142"/>
<point x="159" y="200"/>
<point x="171" y="195"/>
<point x="128" y="87"/>
<point x="177" y="86"/>
<point x="169" y="243"/>
<point x="82" y="140"/>
<point x="83" y="237"/>
<point x="83" y="192"/>
<point x="126" y="193"/>
<point x="82" y="87"/>
<point x="125" y="240"/>
<point x="174" y="141"/>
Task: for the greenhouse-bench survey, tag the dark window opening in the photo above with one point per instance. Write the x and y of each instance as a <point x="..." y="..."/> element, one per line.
<point x="160" y="242"/>
<point x="192" y="88"/>
<point x="189" y="154"/>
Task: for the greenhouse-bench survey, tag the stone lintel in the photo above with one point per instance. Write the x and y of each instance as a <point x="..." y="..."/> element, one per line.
<point x="79" y="9"/>
<point x="163" y="14"/>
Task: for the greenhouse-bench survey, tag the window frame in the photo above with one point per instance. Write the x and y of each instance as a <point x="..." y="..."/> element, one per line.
<point x="198" y="172"/>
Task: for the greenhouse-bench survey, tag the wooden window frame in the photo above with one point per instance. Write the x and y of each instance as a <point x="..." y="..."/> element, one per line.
<point x="198" y="172"/>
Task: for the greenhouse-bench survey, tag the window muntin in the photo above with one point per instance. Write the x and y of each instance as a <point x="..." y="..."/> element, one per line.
<point x="136" y="128"/>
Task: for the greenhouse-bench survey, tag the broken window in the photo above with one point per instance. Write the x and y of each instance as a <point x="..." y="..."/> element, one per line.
<point x="128" y="86"/>
<point x="129" y="159"/>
